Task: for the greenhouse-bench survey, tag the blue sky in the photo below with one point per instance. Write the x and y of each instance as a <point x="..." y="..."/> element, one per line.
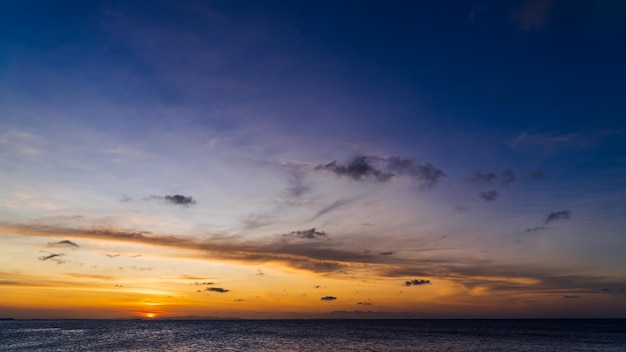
<point x="460" y="142"/>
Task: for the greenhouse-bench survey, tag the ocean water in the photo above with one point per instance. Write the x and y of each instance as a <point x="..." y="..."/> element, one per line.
<point x="314" y="335"/>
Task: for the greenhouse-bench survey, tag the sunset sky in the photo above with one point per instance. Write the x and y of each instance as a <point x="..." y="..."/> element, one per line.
<point x="312" y="159"/>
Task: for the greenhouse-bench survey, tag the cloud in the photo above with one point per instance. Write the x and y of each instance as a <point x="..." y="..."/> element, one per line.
<point x="358" y="168"/>
<point x="175" y="199"/>
<point x="55" y="257"/>
<point x="605" y="289"/>
<point x="428" y="174"/>
<point x="489" y="196"/>
<point x="64" y="243"/>
<point x="508" y="177"/>
<point x="309" y="234"/>
<point x="537" y="175"/>
<point x="386" y="253"/>
<point x="332" y="257"/>
<point x="366" y="303"/>
<point x="112" y="255"/>
<point x="328" y="298"/>
<point x="570" y="297"/>
<point x="335" y="205"/>
<point x="551" y="142"/>
<point x="217" y="289"/>
<point x="383" y="169"/>
<point x="557" y="215"/>
<point x="416" y="282"/>
<point x="536" y="229"/>
<point x="483" y="177"/>
<point x="532" y="14"/>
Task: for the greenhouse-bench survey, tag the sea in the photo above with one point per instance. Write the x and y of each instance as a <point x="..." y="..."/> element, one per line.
<point x="314" y="335"/>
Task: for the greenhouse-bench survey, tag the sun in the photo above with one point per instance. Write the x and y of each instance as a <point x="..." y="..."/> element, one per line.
<point x="149" y="315"/>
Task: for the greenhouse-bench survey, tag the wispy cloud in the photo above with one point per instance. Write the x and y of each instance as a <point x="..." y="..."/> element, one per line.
<point x="332" y="207"/>
<point x="217" y="289"/>
<point x="537" y="175"/>
<point x="536" y="229"/>
<point x="557" y="215"/>
<point x="55" y="257"/>
<point x="328" y="298"/>
<point x="64" y="243"/>
<point x="176" y="199"/>
<point x="508" y="177"/>
<point x="482" y="177"/>
<point x="489" y="196"/>
<point x="306" y="234"/>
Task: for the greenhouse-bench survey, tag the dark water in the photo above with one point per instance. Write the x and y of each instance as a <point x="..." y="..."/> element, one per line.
<point x="314" y="335"/>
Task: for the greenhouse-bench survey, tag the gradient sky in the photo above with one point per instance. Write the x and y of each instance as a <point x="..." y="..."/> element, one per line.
<point x="280" y="159"/>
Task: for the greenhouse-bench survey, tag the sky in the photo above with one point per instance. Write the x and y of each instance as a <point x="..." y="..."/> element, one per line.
<point x="312" y="159"/>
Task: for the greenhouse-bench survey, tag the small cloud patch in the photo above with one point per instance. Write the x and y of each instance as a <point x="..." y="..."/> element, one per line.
<point x="328" y="298"/>
<point x="557" y="215"/>
<point x="309" y="234"/>
<point x="416" y="282"/>
<point x="176" y="199"/>
<point x="489" y="196"/>
<point x="217" y="289"/>
<point x="64" y="243"/>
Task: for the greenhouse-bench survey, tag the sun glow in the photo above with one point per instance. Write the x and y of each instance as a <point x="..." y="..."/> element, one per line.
<point x="149" y="315"/>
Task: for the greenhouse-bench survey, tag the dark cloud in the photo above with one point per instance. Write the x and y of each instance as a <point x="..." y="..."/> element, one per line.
<point x="328" y="298"/>
<point x="217" y="289"/>
<point x="536" y="229"/>
<point x="570" y="297"/>
<point x="416" y="282"/>
<point x="508" y="177"/>
<point x="386" y="253"/>
<point x="358" y="168"/>
<point x="489" y="196"/>
<point x="64" y="243"/>
<point x="55" y="257"/>
<point x="483" y="177"/>
<point x="384" y="168"/>
<point x="606" y="290"/>
<point x="112" y="255"/>
<point x="205" y="283"/>
<point x="428" y="174"/>
<point x="557" y="215"/>
<point x="309" y="234"/>
<point x="537" y="175"/>
<point x="50" y="256"/>
<point x="175" y="199"/>
<point x="366" y="303"/>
